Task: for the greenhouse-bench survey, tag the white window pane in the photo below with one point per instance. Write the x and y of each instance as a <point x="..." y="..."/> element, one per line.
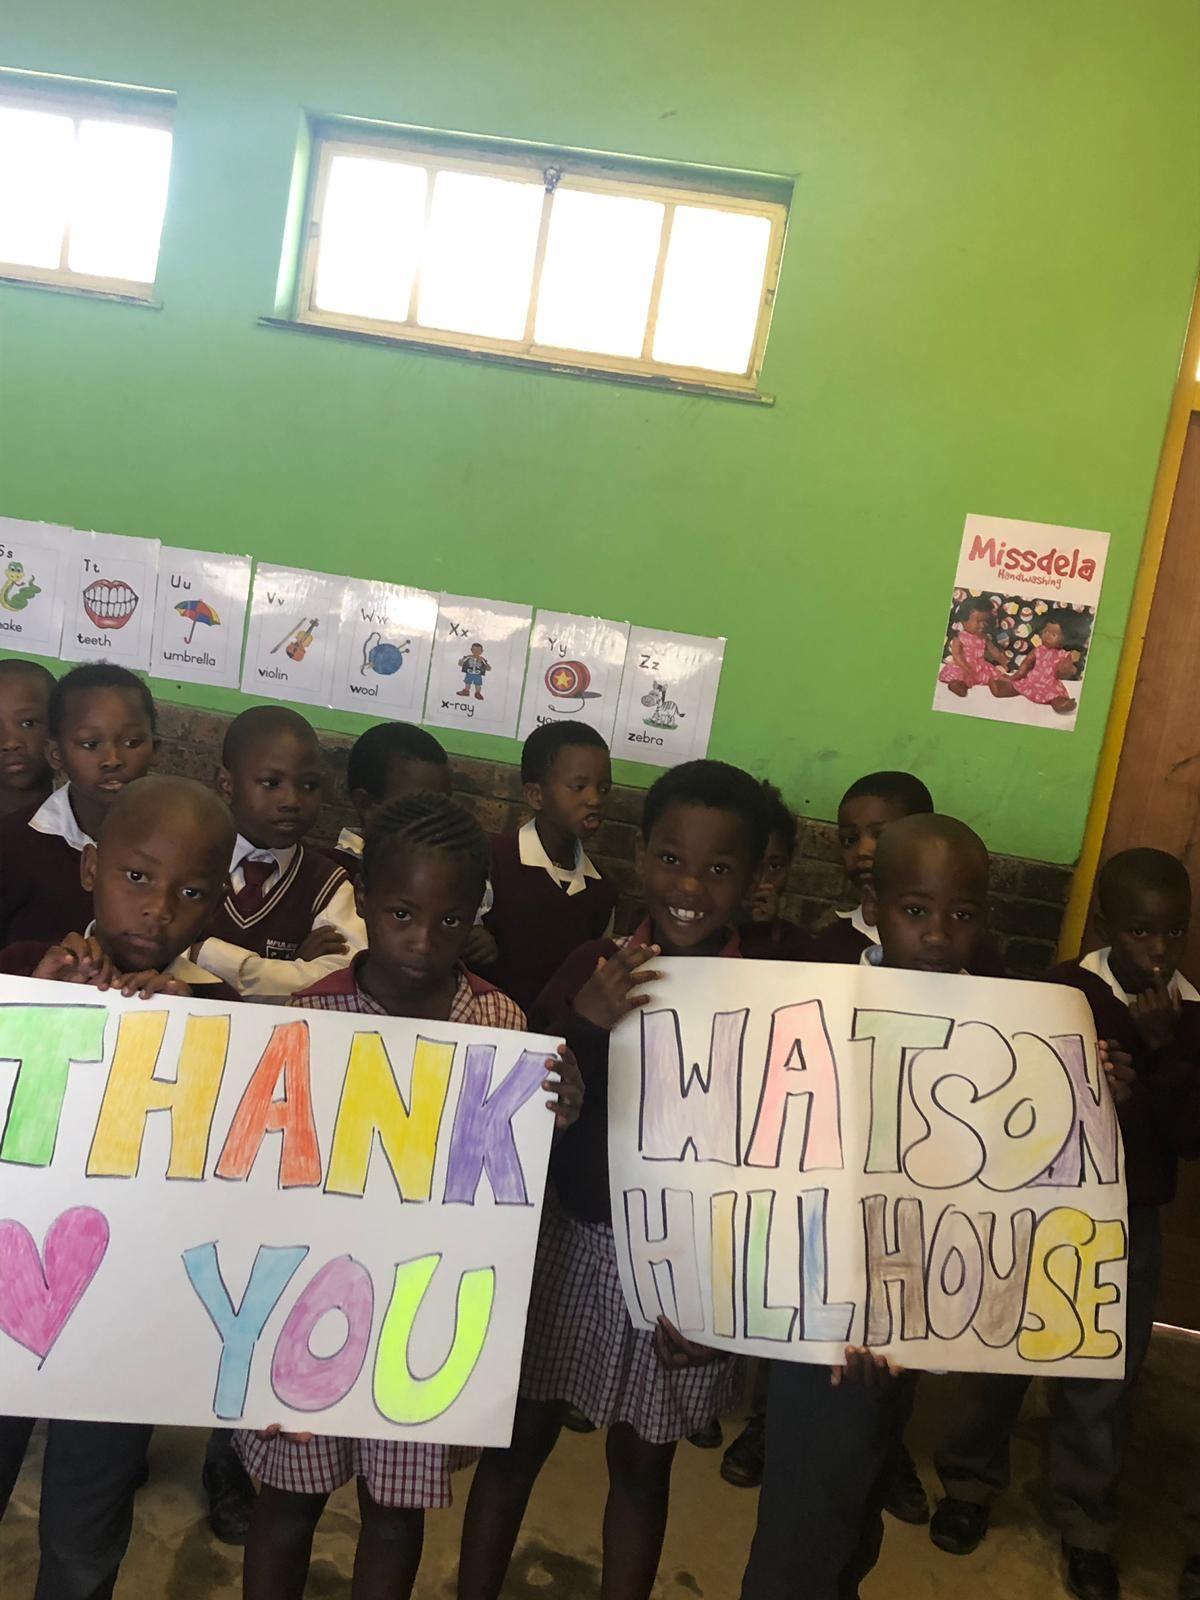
<point x="601" y="252"/>
<point x="121" y="173"/>
<point x="371" y="227"/>
<point x="712" y="289"/>
<point x="478" y="266"/>
<point x="37" y="150"/>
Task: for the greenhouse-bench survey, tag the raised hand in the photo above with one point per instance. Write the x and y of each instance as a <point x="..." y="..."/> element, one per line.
<point x="611" y="991"/>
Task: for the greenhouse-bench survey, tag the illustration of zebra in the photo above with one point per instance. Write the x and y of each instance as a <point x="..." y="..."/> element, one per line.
<point x="664" y="712"/>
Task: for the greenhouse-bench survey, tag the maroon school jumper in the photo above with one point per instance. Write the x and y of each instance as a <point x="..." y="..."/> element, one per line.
<point x="536" y="923"/>
<point x="1160" y="1122"/>
<point x="41" y="896"/>
<point x="841" y="942"/>
<point x="22" y="960"/>
<point x="289" y="908"/>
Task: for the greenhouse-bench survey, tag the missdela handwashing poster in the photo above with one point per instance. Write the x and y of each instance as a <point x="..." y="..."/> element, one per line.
<point x="383" y="648"/>
<point x="1020" y="625"/>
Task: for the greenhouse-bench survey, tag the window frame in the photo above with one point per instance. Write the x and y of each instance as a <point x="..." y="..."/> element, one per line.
<point x="82" y="100"/>
<point x="551" y="170"/>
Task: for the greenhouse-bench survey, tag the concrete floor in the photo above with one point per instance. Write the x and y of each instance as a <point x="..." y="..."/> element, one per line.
<point x="173" y="1557"/>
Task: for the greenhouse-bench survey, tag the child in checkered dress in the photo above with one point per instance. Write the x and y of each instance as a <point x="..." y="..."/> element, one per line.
<point x="705" y="826"/>
<point x="423" y="872"/>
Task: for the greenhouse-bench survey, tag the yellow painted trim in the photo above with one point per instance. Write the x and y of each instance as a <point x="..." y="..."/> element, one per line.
<point x="1186" y="400"/>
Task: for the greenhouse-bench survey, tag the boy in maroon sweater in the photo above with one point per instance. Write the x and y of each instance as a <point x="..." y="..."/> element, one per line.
<point x="549" y="897"/>
<point x="101" y="734"/>
<point x="1143" y="1005"/>
<point x="767" y="935"/>
<point x="156" y="874"/>
<point x="388" y="762"/>
<point x="289" y="918"/>
<point x="25" y="775"/>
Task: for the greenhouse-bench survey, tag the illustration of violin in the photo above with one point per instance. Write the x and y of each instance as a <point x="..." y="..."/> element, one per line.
<point x="298" y="639"/>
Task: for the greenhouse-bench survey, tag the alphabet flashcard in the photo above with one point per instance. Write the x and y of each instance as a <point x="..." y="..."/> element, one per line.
<point x="478" y="665"/>
<point x="200" y="616"/>
<point x="668" y="695"/>
<point x="384" y="643"/>
<point x="33" y="557"/>
<point x="1019" y="632"/>
<point x="292" y="639"/>
<point x="574" y="672"/>
<point x="108" y="612"/>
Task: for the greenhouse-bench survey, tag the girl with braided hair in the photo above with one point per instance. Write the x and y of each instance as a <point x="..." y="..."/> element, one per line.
<point x="424" y="866"/>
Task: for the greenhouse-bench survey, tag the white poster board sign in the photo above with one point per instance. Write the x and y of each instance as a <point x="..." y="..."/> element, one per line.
<point x="384" y="642"/>
<point x="292" y="640"/>
<point x="668" y="695"/>
<point x="110" y="581"/>
<point x="33" y="556"/>
<point x="1021" y="619"/>
<point x="574" y="672"/>
<point x="804" y="1157"/>
<point x="229" y="1238"/>
<point x="200" y="616"/>
<point x="478" y="665"/>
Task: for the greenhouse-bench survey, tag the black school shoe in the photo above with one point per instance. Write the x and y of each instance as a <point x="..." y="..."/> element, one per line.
<point x="742" y="1463"/>
<point x="1091" y="1574"/>
<point x="1189" y="1579"/>
<point x="958" y="1526"/>
<point x="575" y="1420"/>
<point x="710" y="1437"/>
<point x="906" y="1498"/>
<point x="230" y="1497"/>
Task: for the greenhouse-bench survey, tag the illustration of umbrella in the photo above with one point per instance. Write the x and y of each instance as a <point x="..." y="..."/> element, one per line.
<point x="195" y="611"/>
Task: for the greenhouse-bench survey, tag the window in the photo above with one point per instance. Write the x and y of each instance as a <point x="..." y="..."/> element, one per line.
<point x="542" y="257"/>
<point x="83" y="183"/>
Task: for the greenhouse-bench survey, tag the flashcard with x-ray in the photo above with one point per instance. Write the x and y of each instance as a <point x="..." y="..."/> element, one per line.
<point x="108" y="599"/>
<point x="478" y="665"/>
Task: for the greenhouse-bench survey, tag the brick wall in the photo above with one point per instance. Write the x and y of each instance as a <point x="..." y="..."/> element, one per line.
<point x="1027" y="901"/>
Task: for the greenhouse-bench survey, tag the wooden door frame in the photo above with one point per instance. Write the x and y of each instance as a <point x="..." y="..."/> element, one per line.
<point x="1185" y="400"/>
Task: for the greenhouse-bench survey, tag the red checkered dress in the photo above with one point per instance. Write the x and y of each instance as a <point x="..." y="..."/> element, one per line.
<point x="397" y="1472"/>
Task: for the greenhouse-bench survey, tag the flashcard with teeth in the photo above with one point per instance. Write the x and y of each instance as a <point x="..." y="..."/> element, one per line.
<point x="32" y="558"/>
<point x="108" y="613"/>
<point x="668" y="696"/>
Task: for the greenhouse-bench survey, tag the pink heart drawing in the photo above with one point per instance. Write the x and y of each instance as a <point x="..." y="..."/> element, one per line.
<point x="36" y="1299"/>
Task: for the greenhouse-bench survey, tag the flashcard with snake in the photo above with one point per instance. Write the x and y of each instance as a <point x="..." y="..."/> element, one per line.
<point x="200" y="616"/>
<point x="292" y="639"/>
<point x="574" y="672"/>
<point x="32" y="558"/>
<point x="109" y="592"/>
<point x="383" y="648"/>
<point x="668" y="695"/>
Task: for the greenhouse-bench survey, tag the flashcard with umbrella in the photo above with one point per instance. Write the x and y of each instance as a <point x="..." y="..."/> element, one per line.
<point x="200" y="616"/>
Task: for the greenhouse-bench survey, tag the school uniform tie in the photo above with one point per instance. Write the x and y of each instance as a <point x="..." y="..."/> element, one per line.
<point x="255" y="874"/>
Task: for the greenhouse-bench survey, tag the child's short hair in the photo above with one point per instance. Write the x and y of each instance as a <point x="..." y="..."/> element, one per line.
<point x="97" y="675"/>
<point x="262" y="722"/>
<point x="426" y="822"/>
<point x="373" y="752"/>
<point x="18" y="667"/>
<point x="899" y="837"/>
<point x="1140" y="868"/>
<point x="719" y="786"/>
<point x="541" y="749"/>
<point x="974" y="602"/>
<point x="1062" y="619"/>
<point x="899" y="788"/>
<point x="780" y="818"/>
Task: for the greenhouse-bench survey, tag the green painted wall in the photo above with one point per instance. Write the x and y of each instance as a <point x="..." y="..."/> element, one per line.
<point x="991" y="258"/>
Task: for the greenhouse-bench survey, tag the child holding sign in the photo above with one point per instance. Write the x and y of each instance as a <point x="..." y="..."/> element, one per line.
<point x="1142" y="1003"/>
<point x="25" y="775"/>
<point x="101" y="733"/>
<point x="704" y="826"/>
<point x="423" y="870"/>
<point x="156" y="875"/>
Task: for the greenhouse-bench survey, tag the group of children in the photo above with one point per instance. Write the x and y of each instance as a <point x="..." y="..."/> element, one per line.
<point x="153" y="884"/>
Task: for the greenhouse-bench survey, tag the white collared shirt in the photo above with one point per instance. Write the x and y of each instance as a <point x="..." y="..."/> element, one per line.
<point x="1098" y="963"/>
<point x="860" y="924"/>
<point x="55" y="816"/>
<point x="351" y="841"/>
<point x="532" y="853"/>
<point x="280" y="860"/>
